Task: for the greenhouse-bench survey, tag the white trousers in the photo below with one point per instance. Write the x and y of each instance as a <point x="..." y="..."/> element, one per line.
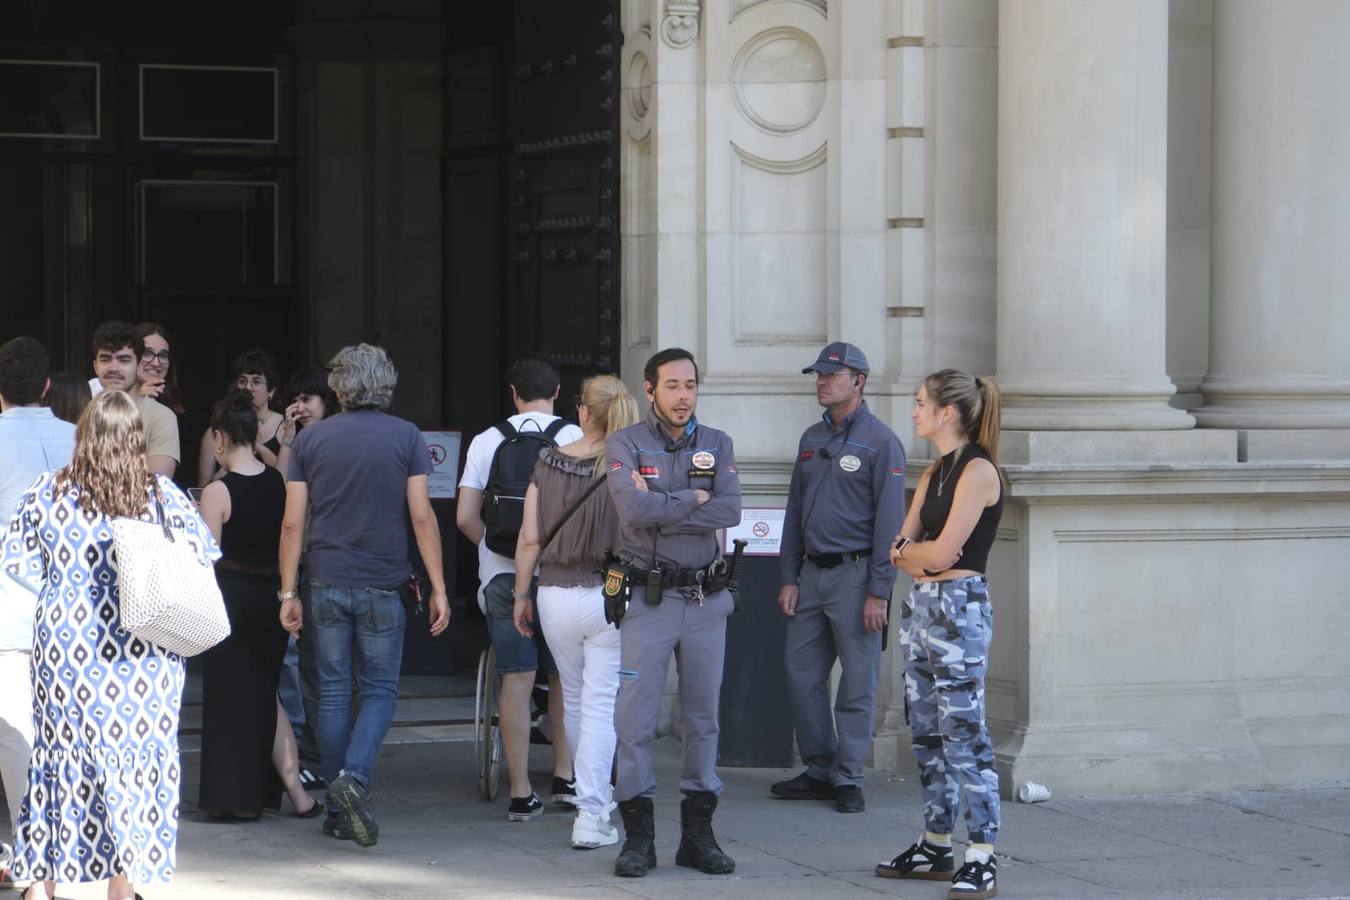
<point x="16" y="727"/>
<point x="586" y="650"/>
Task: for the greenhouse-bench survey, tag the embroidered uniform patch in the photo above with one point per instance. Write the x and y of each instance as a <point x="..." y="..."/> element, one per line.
<point x="613" y="581"/>
<point x="897" y="471"/>
<point x="703" y="460"/>
<point x="614" y="465"/>
<point x="807" y="455"/>
<point x="850" y="463"/>
<point x="648" y="471"/>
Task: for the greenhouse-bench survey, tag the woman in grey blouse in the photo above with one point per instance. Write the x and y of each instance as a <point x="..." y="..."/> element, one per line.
<point x="571" y="606"/>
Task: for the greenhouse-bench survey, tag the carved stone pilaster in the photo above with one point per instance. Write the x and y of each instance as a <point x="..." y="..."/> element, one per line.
<point x="679" y="25"/>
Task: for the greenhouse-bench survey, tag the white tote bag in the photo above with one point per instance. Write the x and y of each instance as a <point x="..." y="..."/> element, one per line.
<point x="168" y="597"/>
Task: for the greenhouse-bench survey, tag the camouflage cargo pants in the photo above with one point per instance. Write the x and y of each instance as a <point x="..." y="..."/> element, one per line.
<point x="945" y="627"/>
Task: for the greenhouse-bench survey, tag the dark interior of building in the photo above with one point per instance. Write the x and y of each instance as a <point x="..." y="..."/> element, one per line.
<point x="440" y="178"/>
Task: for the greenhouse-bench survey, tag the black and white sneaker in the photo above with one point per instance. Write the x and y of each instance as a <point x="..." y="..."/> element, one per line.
<point x="523" y="809"/>
<point x="975" y="881"/>
<point x="311" y="780"/>
<point x="564" y="791"/>
<point x="921" y="860"/>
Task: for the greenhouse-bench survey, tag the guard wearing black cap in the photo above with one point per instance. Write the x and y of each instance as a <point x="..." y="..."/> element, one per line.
<point x="845" y="505"/>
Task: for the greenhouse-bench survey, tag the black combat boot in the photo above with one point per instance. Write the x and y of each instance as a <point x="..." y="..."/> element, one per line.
<point x="639" y="845"/>
<point x="698" y="845"/>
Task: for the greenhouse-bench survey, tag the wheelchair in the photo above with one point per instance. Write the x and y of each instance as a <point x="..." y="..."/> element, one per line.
<point x="487" y="739"/>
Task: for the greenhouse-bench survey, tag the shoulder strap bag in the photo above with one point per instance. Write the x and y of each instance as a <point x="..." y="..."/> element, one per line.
<point x="167" y="597"/>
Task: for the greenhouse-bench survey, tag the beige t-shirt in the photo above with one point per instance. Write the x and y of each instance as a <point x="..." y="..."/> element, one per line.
<point x="161" y="429"/>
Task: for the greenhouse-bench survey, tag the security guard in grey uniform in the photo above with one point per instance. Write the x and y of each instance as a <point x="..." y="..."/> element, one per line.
<point x="674" y="483"/>
<point x="846" y="502"/>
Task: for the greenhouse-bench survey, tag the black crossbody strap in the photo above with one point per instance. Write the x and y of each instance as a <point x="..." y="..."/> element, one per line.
<point x="595" y="483"/>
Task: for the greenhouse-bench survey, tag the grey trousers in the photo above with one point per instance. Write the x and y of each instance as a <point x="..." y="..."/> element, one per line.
<point x="698" y="637"/>
<point x="829" y="624"/>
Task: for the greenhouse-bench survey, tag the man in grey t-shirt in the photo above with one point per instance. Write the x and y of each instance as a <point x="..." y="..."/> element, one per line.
<point x="358" y="476"/>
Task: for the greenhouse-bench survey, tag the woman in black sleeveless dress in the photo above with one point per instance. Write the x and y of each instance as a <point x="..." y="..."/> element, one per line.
<point x="946" y="625"/>
<point x="239" y="676"/>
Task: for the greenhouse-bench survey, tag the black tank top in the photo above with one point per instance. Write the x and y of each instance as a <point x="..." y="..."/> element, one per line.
<point x="937" y="507"/>
<point x="253" y="533"/>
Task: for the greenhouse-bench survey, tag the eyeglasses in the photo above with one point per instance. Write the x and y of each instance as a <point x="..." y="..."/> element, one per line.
<point x="251" y="382"/>
<point x="149" y="356"/>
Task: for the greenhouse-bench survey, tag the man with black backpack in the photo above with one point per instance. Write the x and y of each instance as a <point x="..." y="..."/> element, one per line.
<point x="491" y="500"/>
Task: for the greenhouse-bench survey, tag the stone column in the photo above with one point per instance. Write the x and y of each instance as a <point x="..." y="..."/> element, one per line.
<point x="1280" y="321"/>
<point x="1082" y="183"/>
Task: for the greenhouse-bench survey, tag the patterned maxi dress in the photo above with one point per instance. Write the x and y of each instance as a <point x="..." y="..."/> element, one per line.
<point x="102" y="793"/>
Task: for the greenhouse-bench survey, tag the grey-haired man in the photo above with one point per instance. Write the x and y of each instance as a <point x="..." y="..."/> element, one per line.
<point x="845" y="504"/>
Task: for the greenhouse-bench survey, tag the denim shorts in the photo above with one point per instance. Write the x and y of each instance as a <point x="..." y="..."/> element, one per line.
<point x="514" y="652"/>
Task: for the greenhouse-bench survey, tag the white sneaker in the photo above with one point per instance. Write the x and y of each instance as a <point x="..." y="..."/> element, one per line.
<point x="590" y="831"/>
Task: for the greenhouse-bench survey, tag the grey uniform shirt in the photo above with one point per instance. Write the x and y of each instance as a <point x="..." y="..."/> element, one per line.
<point x="847" y="494"/>
<point x="668" y="512"/>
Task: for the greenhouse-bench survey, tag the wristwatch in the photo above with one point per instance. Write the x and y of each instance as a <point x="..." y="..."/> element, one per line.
<point x="283" y="596"/>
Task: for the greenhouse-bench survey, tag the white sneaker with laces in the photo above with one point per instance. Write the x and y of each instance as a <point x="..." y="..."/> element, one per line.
<point x="590" y="830"/>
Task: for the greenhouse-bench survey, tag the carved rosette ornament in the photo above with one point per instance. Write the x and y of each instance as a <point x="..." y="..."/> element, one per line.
<point x="679" y="26"/>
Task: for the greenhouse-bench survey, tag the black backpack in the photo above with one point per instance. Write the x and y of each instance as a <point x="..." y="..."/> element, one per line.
<point x="512" y="466"/>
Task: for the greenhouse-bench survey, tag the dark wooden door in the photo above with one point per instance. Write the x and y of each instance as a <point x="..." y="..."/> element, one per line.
<point x="562" y="181"/>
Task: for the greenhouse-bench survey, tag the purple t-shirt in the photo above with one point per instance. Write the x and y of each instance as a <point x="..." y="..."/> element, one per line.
<point x="356" y="466"/>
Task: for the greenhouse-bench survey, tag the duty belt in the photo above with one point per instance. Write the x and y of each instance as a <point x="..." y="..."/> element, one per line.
<point x="712" y="577"/>
<point x="830" y="560"/>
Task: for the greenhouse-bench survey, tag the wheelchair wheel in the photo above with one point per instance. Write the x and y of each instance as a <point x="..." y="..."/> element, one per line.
<point x="487" y="745"/>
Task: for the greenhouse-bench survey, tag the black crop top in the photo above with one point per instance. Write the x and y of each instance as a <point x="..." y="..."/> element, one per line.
<point x="257" y="502"/>
<point x="937" y="507"/>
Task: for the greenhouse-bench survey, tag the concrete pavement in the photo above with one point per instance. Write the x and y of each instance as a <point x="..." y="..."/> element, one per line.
<point x="439" y="840"/>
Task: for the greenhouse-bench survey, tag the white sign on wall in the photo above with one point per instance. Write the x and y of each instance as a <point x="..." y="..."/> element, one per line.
<point x="444" y="448"/>
<point x="761" y="528"/>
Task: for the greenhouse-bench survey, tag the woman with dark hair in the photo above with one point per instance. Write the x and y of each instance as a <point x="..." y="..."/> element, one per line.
<point x="241" y="738"/>
<point x="255" y="372"/>
<point x="156" y="376"/>
<point x="308" y="399"/>
<point x="102" y="798"/>
<point x="945" y="628"/>
<point x="67" y="396"/>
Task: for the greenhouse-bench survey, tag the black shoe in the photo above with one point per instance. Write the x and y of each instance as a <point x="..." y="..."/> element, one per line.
<point x="638" y="855"/>
<point x="335" y="825"/>
<point x="848" y="798"/>
<point x="311" y="780"/>
<point x="921" y="860"/>
<point x="975" y="881"/>
<point x="698" y="846"/>
<point x="523" y="809"/>
<point x="564" y="791"/>
<point x="354" y="800"/>
<point x="803" y="787"/>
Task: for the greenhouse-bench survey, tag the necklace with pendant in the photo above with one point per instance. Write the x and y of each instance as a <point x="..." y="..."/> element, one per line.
<point x="942" y="479"/>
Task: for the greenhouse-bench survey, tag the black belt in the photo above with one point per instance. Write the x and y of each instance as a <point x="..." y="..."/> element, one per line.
<point x="830" y="560"/>
<point x="709" y="577"/>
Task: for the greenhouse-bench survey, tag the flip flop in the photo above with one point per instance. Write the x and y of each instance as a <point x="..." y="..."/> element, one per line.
<point x="313" y="811"/>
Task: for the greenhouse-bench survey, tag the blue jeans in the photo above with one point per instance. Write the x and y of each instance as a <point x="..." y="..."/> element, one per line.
<point x="355" y="630"/>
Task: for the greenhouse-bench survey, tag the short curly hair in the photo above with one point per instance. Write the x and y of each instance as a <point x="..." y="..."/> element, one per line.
<point x="363" y="377"/>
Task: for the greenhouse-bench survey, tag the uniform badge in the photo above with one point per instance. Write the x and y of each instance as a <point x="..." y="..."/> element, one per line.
<point x="613" y="582"/>
<point x="850" y="463"/>
<point x="807" y="455"/>
<point x="703" y="460"/>
<point x="648" y="471"/>
<point x="615" y="465"/>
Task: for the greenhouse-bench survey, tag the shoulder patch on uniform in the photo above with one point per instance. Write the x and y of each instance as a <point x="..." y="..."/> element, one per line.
<point x="897" y="470"/>
<point x="731" y="469"/>
<point x="615" y="465"/>
<point x="807" y="455"/>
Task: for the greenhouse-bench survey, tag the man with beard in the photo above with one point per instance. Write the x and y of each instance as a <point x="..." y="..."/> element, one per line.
<point x="117" y="353"/>
<point x="673" y="481"/>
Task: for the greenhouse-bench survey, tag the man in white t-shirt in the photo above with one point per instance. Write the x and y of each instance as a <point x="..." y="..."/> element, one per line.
<point x="534" y="387"/>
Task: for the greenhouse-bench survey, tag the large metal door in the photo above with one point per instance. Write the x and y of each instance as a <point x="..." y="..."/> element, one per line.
<point x="562" y="186"/>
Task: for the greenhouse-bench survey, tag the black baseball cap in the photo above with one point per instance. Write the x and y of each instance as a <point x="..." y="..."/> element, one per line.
<point x="836" y="357"/>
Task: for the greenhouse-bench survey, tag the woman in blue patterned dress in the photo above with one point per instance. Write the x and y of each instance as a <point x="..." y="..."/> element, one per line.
<point x="102" y="799"/>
